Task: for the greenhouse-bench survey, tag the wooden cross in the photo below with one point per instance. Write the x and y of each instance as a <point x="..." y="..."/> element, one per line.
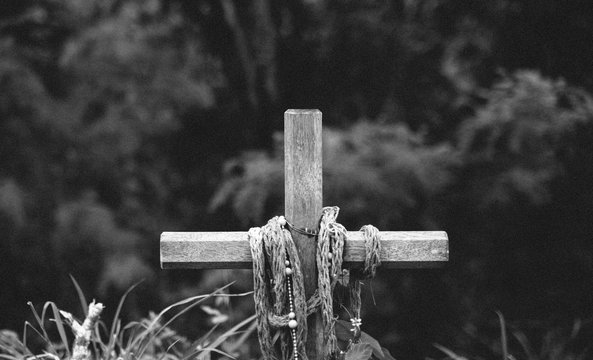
<point x="303" y="204"/>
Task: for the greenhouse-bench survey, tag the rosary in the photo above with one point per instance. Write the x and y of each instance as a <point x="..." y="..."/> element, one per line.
<point x="278" y="282"/>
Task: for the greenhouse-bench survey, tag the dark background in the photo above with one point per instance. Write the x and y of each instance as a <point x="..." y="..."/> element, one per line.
<point x="121" y="119"/>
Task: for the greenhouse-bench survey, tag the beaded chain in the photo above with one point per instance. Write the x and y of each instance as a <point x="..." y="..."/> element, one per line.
<point x="292" y="323"/>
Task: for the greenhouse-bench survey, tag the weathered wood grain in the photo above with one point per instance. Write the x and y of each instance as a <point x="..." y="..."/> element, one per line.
<point x="303" y="190"/>
<point x="207" y="250"/>
<point x="303" y="183"/>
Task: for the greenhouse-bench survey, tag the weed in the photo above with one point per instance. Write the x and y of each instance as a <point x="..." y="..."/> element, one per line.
<point x="553" y="344"/>
<point x="148" y="339"/>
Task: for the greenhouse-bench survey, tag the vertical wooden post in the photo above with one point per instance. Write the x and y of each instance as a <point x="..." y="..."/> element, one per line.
<point x="303" y="202"/>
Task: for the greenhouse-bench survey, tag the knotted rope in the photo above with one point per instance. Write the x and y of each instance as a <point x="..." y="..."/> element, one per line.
<point x="270" y="246"/>
<point x="273" y="249"/>
<point x="330" y="245"/>
<point x="372" y="245"/>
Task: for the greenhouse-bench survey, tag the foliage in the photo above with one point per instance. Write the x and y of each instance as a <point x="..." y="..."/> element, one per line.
<point x="520" y="153"/>
<point x="149" y="338"/>
<point x="517" y="138"/>
<point x="84" y="110"/>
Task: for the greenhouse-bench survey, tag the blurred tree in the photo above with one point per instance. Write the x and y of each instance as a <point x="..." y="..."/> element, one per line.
<point x="25" y="149"/>
<point x="521" y="208"/>
<point x="87" y="149"/>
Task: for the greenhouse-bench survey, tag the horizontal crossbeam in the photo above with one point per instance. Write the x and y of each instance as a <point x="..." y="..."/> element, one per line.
<point x="226" y="250"/>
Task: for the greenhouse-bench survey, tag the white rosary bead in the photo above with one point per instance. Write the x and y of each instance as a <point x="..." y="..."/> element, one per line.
<point x="291" y="315"/>
<point x="292" y="324"/>
<point x="288" y="271"/>
<point x="281" y="220"/>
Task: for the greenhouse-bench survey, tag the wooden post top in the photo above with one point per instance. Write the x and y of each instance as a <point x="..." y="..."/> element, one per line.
<point x="302" y="111"/>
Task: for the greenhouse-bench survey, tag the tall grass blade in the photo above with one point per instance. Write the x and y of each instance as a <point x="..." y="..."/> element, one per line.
<point x="115" y="338"/>
<point x="166" y="356"/>
<point x="116" y="322"/>
<point x="232" y="331"/>
<point x="209" y="349"/>
<point x="171" y="346"/>
<point x="81" y="298"/>
<point x="46" y="354"/>
<point x="243" y="337"/>
<point x="137" y="339"/>
<point x="30" y="326"/>
<point x="503" y="336"/>
<point x="201" y="340"/>
<point x="40" y="322"/>
<point x="448" y="352"/>
<point x="198" y="300"/>
<point x="60" y="327"/>
<point x="101" y="329"/>
<point x="46" y="307"/>
<point x="134" y="328"/>
<point x="522" y="339"/>
<point x="95" y="343"/>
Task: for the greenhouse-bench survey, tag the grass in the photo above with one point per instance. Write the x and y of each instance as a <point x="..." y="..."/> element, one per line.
<point x="553" y="344"/>
<point x="150" y="338"/>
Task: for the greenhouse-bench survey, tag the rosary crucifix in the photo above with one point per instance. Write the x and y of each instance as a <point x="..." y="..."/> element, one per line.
<point x="303" y="204"/>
